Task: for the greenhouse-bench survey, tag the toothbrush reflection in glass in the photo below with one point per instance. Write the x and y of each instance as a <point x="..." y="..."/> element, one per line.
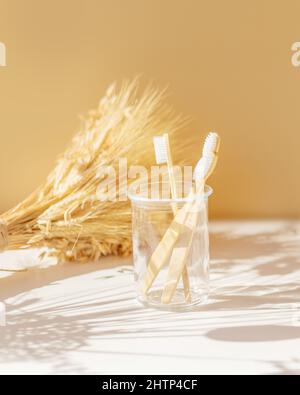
<point x="163" y="156"/>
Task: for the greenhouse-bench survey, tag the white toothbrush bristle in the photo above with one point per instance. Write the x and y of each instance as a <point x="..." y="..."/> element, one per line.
<point x="160" y="149"/>
<point x="211" y="144"/>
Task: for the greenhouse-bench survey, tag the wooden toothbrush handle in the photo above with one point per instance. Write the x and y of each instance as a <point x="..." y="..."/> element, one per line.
<point x="178" y="260"/>
<point x="185" y="275"/>
<point x="163" y="251"/>
<point x="180" y="254"/>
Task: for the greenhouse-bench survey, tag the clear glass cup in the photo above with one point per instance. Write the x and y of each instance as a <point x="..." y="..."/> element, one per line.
<point x="171" y="249"/>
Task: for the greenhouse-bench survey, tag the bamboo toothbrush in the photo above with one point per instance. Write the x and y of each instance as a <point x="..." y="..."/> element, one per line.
<point x="181" y="252"/>
<point x="179" y="224"/>
<point x="163" y="156"/>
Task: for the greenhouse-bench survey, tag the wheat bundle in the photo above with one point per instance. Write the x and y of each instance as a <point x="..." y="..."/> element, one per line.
<point x="65" y="214"/>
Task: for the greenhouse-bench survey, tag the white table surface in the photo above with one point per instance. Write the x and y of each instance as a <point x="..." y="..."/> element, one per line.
<point x="72" y="318"/>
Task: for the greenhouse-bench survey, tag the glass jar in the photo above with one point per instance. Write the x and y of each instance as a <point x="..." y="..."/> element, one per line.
<point x="171" y="249"/>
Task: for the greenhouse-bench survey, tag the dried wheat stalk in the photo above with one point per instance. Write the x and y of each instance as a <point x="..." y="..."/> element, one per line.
<point x="64" y="214"/>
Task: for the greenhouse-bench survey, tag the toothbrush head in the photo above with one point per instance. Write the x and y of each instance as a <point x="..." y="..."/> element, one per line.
<point x="160" y="147"/>
<point x="211" y="144"/>
<point x="207" y="163"/>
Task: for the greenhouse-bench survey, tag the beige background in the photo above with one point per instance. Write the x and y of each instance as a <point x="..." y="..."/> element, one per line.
<point x="228" y="64"/>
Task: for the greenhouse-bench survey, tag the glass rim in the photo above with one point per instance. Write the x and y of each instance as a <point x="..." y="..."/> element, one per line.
<point x="134" y="197"/>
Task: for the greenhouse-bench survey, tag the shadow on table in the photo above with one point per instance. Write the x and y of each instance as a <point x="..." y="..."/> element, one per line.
<point x="23" y="281"/>
<point x="52" y="330"/>
<point x="265" y="253"/>
<point x="255" y="333"/>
